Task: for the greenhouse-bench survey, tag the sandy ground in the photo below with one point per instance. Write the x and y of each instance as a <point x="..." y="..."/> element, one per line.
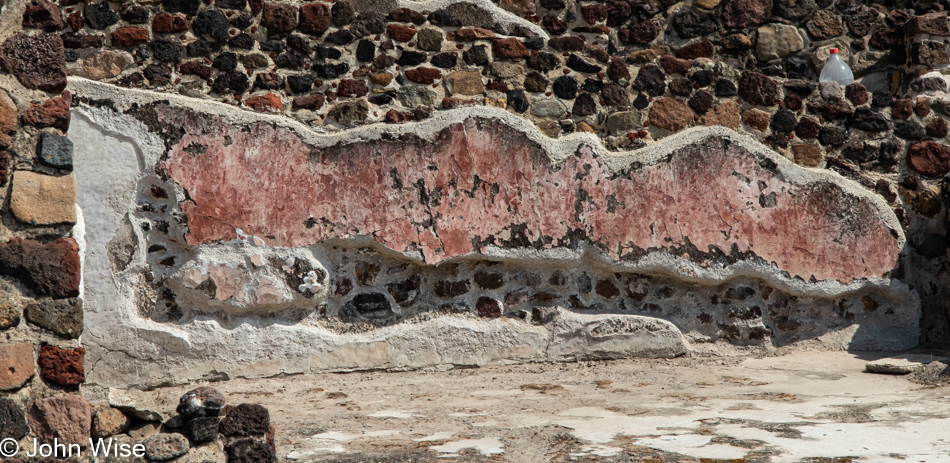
<point x="817" y="407"/>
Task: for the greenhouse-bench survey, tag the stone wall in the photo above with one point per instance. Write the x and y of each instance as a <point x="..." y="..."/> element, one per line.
<point x="204" y="190"/>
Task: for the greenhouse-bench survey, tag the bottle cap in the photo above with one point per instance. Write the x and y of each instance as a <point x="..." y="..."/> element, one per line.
<point x="834" y="50"/>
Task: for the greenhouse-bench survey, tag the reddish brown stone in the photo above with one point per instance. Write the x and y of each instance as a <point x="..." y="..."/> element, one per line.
<point x="935" y="23"/>
<point x="937" y="128"/>
<point x="8" y="120"/>
<point x="352" y="88"/>
<point x="129" y="37"/>
<point x="311" y="102"/>
<point x="856" y="93"/>
<point x="382" y="78"/>
<point x="617" y="70"/>
<point x="52" y="113"/>
<point x="47" y="269"/>
<point x="830" y="111"/>
<point x="41" y="14"/>
<point x="400" y="33"/>
<point x="902" y="108"/>
<point x="519" y="7"/>
<point x="62" y="366"/>
<point x="314" y="18"/>
<point x="922" y="107"/>
<point x="929" y="158"/>
<point x="758" y="89"/>
<point x="509" y="49"/>
<point x="486" y="307"/>
<point x="670" y="197"/>
<point x="670" y="114"/>
<point x="268" y="102"/>
<point x="65" y="419"/>
<point x="71" y="40"/>
<point x="807" y="154"/>
<point x="424" y="75"/>
<point x="75" y="21"/>
<point x="165" y="23"/>
<point x="471" y="34"/>
<point x="756" y="118"/>
<point x="703" y="49"/>
<point x="725" y="114"/>
<point x="674" y="65"/>
<point x="569" y="43"/>
<point x="16" y="365"/>
<point x="246" y="420"/>
<point x="37" y="61"/>
<point x="640" y="33"/>
<point x="407" y="15"/>
<point x="196" y="68"/>
<point x="279" y="18"/>
<point x="594" y="14"/>
<point x="745" y="13"/>
<point x="807" y="128"/>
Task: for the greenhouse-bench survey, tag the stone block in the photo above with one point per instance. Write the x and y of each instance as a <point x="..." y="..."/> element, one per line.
<point x="65" y="418"/>
<point x="16" y="365"/>
<point x="39" y="199"/>
<point x="55" y="151"/>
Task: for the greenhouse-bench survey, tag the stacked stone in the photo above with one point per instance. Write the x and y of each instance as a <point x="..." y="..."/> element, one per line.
<point x="41" y="315"/>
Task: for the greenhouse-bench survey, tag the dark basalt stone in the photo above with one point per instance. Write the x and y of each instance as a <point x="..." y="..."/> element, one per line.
<point x="565" y="87"/>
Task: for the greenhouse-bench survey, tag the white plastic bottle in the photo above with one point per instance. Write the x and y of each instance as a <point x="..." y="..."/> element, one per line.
<point x="836" y="70"/>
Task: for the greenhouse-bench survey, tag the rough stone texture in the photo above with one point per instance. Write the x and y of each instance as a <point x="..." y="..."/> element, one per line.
<point x="778" y="41"/>
<point x="52" y="113"/>
<point x="165" y="447"/>
<point x="9" y="316"/>
<point x="129" y="37"/>
<point x="279" y="17"/>
<point x="62" y="366"/>
<point x="929" y="158"/>
<point x="201" y="402"/>
<point x="55" y="151"/>
<point x="670" y="114"/>
<point x="203" y="429"/>
<point x="314" y="18"/>
<point x="16" y="365"/>
<point x="65" y="418"/>
<point x="47" y="269"/>
<point x="63" y="317"/>
<point x="758" y="89"/>
<point x="103" y="65"/>
<point x="246" y="420"/>
<point x="745" y="13"/>
<point x="42" y="199"/>
<point x="108" y="422"/>
<point x="509" y="49"/>
<point x="464" y="83"/>
<point x="12" y="420"/>
<point x="37" y="61"/>
<point x="250" y="451"/>
<point x="481" y="140"/>
<point x="9" y="123"/>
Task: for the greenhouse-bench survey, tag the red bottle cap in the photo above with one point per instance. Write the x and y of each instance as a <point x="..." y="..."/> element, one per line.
<point x="834" y="50"/>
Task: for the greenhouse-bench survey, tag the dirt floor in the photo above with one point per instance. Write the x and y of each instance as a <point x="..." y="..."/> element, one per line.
<point x="817" y="407"/>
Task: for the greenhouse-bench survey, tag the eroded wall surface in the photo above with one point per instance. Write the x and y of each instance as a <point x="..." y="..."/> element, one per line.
<point x="206" y="190"/>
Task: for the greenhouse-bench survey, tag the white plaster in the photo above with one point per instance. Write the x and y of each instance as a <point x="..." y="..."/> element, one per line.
<point x="486" y="446"/>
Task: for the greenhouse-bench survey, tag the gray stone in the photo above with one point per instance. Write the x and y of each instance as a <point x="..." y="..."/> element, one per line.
<point x="902" y="364"/>
<point x="823" y="52"/>
<point x="55" y="151"/>
<point x="12" y="420"/>
<point x="548" y="108"/>
<point x="61" y="316"/>
<point x="135" y="403"/>
<point x="429" y="39"/>
<point x="143" y="429"/>
<point x="164" y="447"/>
<point x="203" y="401"/>
<point x="830" y="90"/>
<point x="620" y="123"/>
<point x="506" y="70"/>
<point x="412" y="97"/>
<point x="470" y="14"/>
<point x="778" y="41"/>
